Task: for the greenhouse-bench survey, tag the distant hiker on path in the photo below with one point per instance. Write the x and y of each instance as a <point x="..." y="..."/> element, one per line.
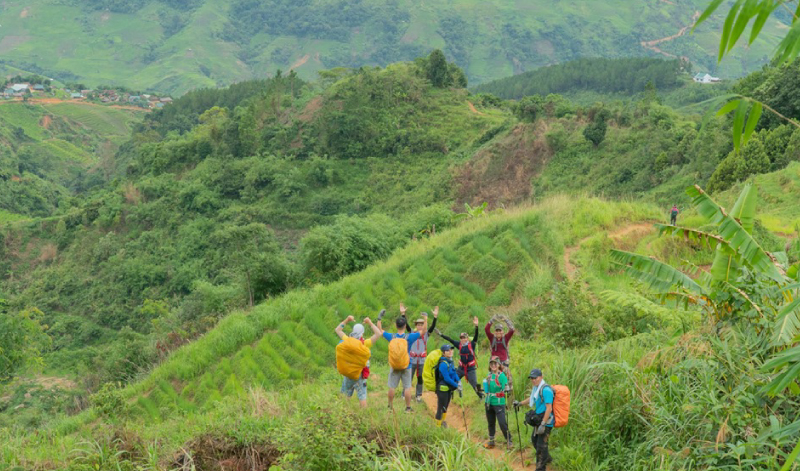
<point x="673" y="215"/>
<point x="447" y="382"/>
<point x="358" y="385"/>
<point x="498" y="343"/>
<point x="399" y="358"/>
<point x="419" y="349"/>
<point x="542" y="419"/>
<point x="495" y="388"/>
<point x="466" y="351"/>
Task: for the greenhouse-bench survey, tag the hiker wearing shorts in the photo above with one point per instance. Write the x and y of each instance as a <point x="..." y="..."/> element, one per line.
<point x="359" y="385"/>
<point x="447" y="382"/>
<point x="543" y="420"/>
<point x="419" y="349"/>
<point x="402" y="376"/>
<point x="468" y="365"/>
<point x="494" y="386"/>
<point x="498" y="344"/>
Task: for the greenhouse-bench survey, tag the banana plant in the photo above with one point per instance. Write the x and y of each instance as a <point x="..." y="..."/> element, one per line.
<point x="724" y="292"/>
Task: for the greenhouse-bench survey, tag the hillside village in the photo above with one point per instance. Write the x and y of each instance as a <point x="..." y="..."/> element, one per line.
<point x="23" y="88"/>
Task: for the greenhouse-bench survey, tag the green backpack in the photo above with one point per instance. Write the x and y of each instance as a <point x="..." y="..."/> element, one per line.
<point x="429" y="369"/>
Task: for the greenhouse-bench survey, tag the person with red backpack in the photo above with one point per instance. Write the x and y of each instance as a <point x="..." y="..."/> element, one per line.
<point x="419" y="349"/>
<point x="359" y="385"/>
<point x="468" y="361"/>
<point x="498" y="344"/>
<point x="494" y="386"/>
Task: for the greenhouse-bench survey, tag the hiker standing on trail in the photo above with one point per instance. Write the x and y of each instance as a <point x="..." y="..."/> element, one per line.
<point x="447" y="382"/>
<point x="359" y="385"/>
<point x="466" y="351"/>
<point x="399" y="359"/>
<point x="673" y="215"/>
<point x="541" y="401"/>
<point x="419" y="349"/>
<point x="498" y="344"/>
<point x="495" y="388"/>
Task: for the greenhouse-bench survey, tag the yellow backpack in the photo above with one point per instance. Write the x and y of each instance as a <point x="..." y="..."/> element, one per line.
<point x="398" y="354"/>
<point x="351" y="357"/>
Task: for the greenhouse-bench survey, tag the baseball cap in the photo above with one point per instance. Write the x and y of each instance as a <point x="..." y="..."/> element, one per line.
<point x="535" y="373"/>
<point x="446" y="347"/>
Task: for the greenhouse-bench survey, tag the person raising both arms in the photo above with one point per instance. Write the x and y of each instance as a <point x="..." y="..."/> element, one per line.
<point x="498" y="343"/>
<point x="399" y="359"/>
<point x="359" y="385"/>
<point x="466" y="351"/>
<point x="419" y="349"/>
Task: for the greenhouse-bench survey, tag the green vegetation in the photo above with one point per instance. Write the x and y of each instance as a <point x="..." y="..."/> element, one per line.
<point x="176" y="46"/>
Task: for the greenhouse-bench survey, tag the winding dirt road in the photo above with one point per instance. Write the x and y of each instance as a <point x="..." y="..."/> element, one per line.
<point x="636" y="229"/>
<point x="653" y="45"/>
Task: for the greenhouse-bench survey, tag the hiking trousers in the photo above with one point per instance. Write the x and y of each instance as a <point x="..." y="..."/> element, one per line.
<point x="673" y="219"/>
<point x="542" y="447"/>
<point x="442" y="402"/>
<point x="416" y="370"/>
<point x="472" y="377"/>
<point x="497" y="414"/>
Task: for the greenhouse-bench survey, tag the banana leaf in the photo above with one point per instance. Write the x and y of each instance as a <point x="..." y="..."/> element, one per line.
<point x="689" y="235"/>
<point x="737" y="237"/>
<point x="787" y="325"/>
<point x="657" y="275"/>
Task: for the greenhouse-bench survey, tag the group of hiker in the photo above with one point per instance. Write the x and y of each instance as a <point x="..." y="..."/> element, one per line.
<point x="437" y="372"/>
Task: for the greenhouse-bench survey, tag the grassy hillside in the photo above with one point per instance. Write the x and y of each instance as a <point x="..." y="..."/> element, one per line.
<point x="50" y="151"/>
<point x="172" y="46"/>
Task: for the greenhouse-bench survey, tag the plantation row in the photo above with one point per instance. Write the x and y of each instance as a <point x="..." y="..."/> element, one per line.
<point x="480" y="271"/>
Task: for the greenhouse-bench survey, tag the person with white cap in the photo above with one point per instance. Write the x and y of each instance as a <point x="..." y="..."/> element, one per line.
<point x="359" y="385"/>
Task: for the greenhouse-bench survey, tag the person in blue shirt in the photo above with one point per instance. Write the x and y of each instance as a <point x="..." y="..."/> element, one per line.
<point x="541" y="401"/>
<point x="395" y="377"/>
<point x="447" y="381"/>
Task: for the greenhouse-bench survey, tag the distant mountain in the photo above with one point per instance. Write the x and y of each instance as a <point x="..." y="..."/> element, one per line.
<point x="177" y="45"/>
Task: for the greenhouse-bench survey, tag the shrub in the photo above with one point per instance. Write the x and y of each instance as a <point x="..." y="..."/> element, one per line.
<point x="109" y="401"/>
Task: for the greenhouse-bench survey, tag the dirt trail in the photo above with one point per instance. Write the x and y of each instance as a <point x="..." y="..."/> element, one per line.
<point x="635" y="229"/>
<point x="472" y="108"/>
<point x="652" y="45"/>
<point x="300" y="62"/>
<point x="455" y="420"/>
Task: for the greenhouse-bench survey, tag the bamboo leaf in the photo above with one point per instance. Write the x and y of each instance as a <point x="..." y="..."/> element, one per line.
<point x="752" y="121"/>
<point x="738" y="123"/>
<point x="727" y="27"/>
<point x="766" y="9"/>
<point x="738" y="239"/>
<point x="745" y="15"/>
<point x="729" y="106"/>
<point x="657" y="275"/>
<point x="708" y="11"/>
<point x="787" y="45"/>
<point x="787" y="325"/>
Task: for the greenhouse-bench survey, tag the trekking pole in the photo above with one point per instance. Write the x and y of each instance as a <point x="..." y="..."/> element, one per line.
<point x="463" y="412"/>
<point x="519" y="435"/>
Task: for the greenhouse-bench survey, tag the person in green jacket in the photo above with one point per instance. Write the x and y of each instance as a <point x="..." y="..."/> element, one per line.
<point x="494" y="386"/>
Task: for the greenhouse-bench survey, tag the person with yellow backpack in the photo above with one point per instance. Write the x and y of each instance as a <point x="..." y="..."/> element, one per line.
<point x="399" y="358"/>
<point x="352" y="358"/>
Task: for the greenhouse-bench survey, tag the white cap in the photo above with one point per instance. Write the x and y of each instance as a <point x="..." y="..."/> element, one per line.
<point x="358" y="331"/>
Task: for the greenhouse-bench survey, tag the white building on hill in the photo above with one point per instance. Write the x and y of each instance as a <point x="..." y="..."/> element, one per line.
<point x="705" y="78"/>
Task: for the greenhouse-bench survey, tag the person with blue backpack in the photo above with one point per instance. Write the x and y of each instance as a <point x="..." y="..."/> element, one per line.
<point x="447" y="381"/>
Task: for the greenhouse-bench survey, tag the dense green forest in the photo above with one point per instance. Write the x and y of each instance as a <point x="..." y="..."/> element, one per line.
<point x="174" y="46"/>
<point x="276" y="198"/>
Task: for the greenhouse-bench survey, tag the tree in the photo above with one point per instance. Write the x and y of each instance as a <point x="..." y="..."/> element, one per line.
<point x="437" y="70"/>
<point x="529" y="108"/>
<point x="22" y="340"/>
<point x="595" y="132"/>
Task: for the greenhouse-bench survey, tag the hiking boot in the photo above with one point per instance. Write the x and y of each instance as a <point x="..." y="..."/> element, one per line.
<point x="409" y="410"/>
<point x="419" y="398"/>
<point x="489" y="445"/>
